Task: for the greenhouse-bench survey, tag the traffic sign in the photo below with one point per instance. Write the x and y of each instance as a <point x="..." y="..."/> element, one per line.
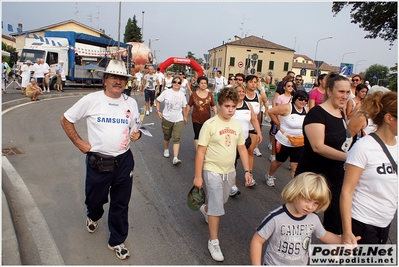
<point x="207" y="57"/>
<point x="252" y="71"/>
<point x="207" y="66"/>
<point x="215" y="69"/>
<point x="240" y="64"/>
<point x="346" y="69"/>
<point x="253" y="61"/>
<point x="255" y="56"/>
<point x="375" y="76"/>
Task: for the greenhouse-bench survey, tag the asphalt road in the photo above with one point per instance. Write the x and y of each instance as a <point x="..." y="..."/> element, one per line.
<point x="45" y="188"/>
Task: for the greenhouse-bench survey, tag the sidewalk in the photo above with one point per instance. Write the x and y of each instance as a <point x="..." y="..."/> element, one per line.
<point x="10" y="246"/>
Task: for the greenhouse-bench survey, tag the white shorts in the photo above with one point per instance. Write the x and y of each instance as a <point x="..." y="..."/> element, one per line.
<point x="218" y="187"/>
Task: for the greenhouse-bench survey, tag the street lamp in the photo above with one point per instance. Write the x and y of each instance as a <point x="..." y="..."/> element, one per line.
<point x="342" y="60"/>
<point x="315" y="55"/>
<point x="142" y="25"/>
<point x="149" y="42"/>
<point x="357" y="63"/>
<point x="155" y="55"/>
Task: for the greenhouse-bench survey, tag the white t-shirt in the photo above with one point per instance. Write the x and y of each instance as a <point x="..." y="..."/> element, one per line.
<point x="160" y="77"/>
<point x="174" y="104"/>
<point x="168" y="82"/>
<point x="375" y="198"/>
<point x="220" y="83"/>
<point x="183" y="86"/>
<point x="46" y="68"/>
<point x="150" y="81"/>
<point x="109" y="121"/>
<point x="38" y="69"/>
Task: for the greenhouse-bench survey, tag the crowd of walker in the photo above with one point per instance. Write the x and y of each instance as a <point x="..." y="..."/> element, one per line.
<point x="340" y="140"/>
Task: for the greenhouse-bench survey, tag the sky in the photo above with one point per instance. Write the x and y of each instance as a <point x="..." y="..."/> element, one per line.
<point x="183" y="26"/>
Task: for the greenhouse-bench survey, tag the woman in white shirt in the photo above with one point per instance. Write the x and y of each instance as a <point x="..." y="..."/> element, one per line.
<point x="369" y="196"/>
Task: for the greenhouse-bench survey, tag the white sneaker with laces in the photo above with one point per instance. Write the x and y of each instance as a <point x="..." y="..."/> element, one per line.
<point x="202" y="209"/>
<point x="253" y="182"/>
<point x="272" y="158"/>
<point x="121" y="251"/>
<point x="257" y="152"/>
<point x="91" y="225"/>
<point x="151" y="109"/>
<point x="176" y="161"/>
<point x="214" y="249"/>
<point x="147" y="113"/>
<point x="269" y="180"/>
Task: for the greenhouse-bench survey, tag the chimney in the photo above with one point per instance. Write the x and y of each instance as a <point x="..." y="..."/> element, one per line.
<point x="237" y="38"/>
<point x="20" y="26"/>
<point x="229" y="40"/>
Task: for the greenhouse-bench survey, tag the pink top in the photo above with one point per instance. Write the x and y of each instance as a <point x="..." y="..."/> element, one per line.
<point x="283" y="99"/>
<point x="317" y="96"/>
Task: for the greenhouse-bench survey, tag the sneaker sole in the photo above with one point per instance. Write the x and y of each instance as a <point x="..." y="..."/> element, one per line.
<point x="236" y="194"/>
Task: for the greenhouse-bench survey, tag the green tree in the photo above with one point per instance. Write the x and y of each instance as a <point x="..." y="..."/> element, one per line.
<point x="393" y="78"/>
<point x="382" y="73"/>
<point x="132" y="31"/>
<point x="8" y="48"/>
<point x="380" y="19"/>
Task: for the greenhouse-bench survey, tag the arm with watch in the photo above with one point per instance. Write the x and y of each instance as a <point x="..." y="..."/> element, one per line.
<point x="242" y="150"/>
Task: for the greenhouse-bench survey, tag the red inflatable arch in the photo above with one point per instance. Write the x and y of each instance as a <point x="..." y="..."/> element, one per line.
<point x="181" y="61"/>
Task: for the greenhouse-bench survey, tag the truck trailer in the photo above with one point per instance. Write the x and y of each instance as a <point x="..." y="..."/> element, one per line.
<point x="94" y="52"/>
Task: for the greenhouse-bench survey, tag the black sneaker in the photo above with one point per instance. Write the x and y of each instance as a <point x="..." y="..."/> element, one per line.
<point x="91" y="225"/>
<point x="121" y="251"/>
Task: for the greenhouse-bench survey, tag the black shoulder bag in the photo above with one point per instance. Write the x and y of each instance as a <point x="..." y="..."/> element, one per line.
<point x="379" y="141"/>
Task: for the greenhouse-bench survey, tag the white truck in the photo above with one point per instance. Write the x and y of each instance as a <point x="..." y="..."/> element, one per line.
<point x="94" y="52"/>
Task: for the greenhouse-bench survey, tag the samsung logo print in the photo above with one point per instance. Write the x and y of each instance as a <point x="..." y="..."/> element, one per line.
<point x="112" y="120"/>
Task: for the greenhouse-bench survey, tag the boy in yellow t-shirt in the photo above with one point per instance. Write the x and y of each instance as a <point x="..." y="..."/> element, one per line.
<point x="220" y="137"/>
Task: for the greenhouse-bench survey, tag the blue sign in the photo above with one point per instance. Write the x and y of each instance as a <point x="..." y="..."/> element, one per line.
<point x="346" y="69"/>
<point x="375" y="76"/>
<point x="215" y="69"/>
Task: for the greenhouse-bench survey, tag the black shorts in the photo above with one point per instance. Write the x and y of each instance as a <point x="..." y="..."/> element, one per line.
<point x="370" y="234"/>
<point x="197" y="128"/>
<point x="248" y="143"/>
<point x="294" y="153"/>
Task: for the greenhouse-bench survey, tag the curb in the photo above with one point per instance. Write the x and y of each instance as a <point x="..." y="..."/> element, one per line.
<point x="10" y="248"/>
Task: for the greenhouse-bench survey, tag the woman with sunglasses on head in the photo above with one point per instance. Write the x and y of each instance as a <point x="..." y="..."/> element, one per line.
<point x="172" y="117"/>
<point x="231" y="82"/>
<point x="327" y="140"/>
<point x="202" y="101"/>
<point x="289" y="119"/>
<point x="317" y="94"/>
<point x="369" y="197"/>
<point x="167" y="82"/>
<point x="251" y="97"/>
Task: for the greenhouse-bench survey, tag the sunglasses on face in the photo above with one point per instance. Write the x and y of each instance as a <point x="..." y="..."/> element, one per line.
<point x="302" y="99"/>
<point x="355" y="80"/>
<point x="298" y="79"/>
<point x="176" y="82"/>
<point x="239" y="79"/>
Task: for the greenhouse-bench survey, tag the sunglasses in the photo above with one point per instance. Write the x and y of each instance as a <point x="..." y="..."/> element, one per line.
<point x="302" y="99"/>
<point x="298" y="79"/>
<point x="232" y="79"/>
<point x="355" y="80"/>
<point x="239" y="79"/>
<point x="176" y="82"/>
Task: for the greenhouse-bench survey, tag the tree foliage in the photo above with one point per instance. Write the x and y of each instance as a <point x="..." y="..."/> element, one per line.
<point x="132" y="31"/>
<point x="380" y="19"/>
<point x="382" y="73"/>
<point x="177" y="68"/>
<point x="393" y="78"/>
<point x="8" y="48"/>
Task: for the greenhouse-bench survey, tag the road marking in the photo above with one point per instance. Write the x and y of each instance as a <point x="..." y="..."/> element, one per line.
<point x="46" y="246"/>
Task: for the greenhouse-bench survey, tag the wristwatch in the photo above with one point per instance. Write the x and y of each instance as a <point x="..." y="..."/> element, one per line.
<point x="247" y="171"/>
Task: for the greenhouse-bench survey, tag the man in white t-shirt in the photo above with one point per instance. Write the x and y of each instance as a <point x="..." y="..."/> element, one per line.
<point x="148" y="85"/>
<point x="220" y="82"/>
<point x="112" y="122"/>
<point x="139" y="76"/>
<point x="46" y="73"/>
<point x="38" y="72"/>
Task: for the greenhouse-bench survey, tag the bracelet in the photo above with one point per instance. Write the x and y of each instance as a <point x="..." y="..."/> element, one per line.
<point x="247" y="171"/>
<point x="158" y="111"/>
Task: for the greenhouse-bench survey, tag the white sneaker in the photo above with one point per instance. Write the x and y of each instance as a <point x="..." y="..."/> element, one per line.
<point x="272" y="158"/>
<point x="176" y="161"/>
<point x="121" y="251"/>
<point x="257" y="152"/>
<point x="151" y="109"/>
<point x="147" y="113"/>
<point x="91" y="225"/>
<point x="253" y="182"/>
<point x="269" y="180"/>
<point x="155" y="104"/>
<point x="214" y="249"/>
<point x="234" y="191"/>
<point x="202" y="209"/>
<point x="166" y="153"/>
<point x="269" y="146"/>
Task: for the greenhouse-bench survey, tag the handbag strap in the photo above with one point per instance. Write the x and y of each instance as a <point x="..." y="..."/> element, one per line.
<point x="384" y="147"/>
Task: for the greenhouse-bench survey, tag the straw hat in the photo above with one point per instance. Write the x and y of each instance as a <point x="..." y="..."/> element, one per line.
<point x="115" y="67"/>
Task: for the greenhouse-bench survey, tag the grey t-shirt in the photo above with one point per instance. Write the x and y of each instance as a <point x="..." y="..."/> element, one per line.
<point x="288" y="237"/>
